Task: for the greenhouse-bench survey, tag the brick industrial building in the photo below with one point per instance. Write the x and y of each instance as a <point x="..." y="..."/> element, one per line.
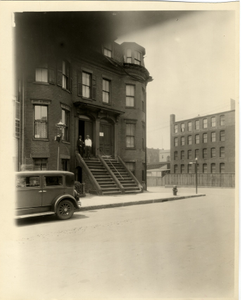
<point x="70" y="69"/>
<point x="210" y="139"/>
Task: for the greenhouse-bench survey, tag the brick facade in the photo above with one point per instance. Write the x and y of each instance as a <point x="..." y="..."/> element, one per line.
<point x="210" y="139"/>
<point x="44" y="46"/>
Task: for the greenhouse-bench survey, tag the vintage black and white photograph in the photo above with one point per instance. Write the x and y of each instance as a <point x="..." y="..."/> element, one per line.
<point x="123" y="151"/>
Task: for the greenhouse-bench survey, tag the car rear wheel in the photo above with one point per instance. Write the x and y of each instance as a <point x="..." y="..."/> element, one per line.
<point x="65" y="210"/>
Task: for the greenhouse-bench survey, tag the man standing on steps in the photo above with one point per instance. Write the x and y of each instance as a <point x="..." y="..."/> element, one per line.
<point x="88" y="145"/>
<point x="80" y="145"/>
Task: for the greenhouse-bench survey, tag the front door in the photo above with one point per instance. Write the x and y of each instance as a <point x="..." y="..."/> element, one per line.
<point x="106" y="138"/>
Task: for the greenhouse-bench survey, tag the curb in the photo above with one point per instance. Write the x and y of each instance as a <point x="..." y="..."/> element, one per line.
<point x="121" y="204"/>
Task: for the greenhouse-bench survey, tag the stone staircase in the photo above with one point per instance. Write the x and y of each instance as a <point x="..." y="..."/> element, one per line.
<point x="123" y="176"/>
<point x="102" y="176"/>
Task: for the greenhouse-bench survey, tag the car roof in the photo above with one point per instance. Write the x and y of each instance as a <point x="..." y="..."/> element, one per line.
<point x="49" y="172"/>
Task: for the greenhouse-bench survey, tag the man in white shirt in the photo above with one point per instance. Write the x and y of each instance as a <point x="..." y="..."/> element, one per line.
<point x="88" y="145"/>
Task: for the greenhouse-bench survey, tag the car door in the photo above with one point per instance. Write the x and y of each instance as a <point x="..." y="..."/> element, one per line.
<point x="53" y="187"/>
<point x="29" y="193"/>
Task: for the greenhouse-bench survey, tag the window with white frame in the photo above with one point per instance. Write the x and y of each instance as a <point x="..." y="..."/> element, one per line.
<point x="205" y="123"/>
<point x="66" y="121"/>
<point x="197" y="139"/>
<point x="130" y="95"/>
<point x="106" y="91"/>
<point x="213" y="137"/>
<point x="86" y="85"/>
<point x="40" y="121"/>
<point x="182" y="169"/>
<point x="176" y="128"/>
<point x="176" y="142"/>
<point x="197" y="124"/>
<point x="213" y="121"/>
<point x="130" y="135"/>
<point x="189" y="140"/>
<point x="189" y="126"/>
<point x="182" y="140"/>
<point x="182" y="127"/>
<point x="205" y="138"/>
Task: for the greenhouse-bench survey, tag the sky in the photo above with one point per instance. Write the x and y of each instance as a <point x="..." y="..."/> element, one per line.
<point x="191" y="57"/>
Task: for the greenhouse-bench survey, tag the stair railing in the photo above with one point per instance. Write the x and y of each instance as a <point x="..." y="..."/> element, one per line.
<point x="115" y="169"/>
<point x="112" y="174"/>
<point x="131" y="174"/>
<point x="89" y="173"/>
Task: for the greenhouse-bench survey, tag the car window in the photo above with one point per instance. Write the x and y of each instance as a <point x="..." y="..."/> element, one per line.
<point x="53" y="180"/>
<point x="28" y="181"/>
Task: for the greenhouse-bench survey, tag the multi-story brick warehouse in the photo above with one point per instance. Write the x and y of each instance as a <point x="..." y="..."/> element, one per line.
<point x="210" y="139"/>
<point x="71" y="70"/>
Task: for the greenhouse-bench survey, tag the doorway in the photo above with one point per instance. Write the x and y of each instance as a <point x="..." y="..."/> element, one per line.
<point x="106" y="138"/>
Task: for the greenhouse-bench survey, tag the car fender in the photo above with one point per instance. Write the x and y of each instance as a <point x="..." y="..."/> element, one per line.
<point x="65" y="197"/>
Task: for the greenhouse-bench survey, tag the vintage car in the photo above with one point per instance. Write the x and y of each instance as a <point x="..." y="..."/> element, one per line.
<point x="42" y="192"/>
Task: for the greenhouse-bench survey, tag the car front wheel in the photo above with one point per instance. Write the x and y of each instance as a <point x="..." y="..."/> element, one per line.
<point x="65" y="210"/>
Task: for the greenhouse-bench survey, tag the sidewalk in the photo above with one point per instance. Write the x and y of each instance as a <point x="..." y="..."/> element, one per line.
<point x="153" y="195"/>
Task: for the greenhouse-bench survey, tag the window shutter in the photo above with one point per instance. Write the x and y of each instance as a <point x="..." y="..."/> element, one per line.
<point x="93" y="87"/>
<point x="79" y="84"/>
<point x="59" y="73"/>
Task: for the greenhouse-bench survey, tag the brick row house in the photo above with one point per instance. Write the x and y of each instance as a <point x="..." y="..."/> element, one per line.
<point x="70" y="70"/>
<point x="209" y="140"/>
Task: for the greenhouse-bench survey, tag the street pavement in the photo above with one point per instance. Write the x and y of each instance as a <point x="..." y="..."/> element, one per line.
<point x="152" y="195"/>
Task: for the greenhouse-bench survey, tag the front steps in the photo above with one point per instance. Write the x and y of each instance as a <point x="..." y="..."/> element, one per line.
<point x="123" y="176"/>
<point x="106" y="182"/>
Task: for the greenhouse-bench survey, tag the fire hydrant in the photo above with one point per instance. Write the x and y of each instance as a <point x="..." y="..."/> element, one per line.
<point x="174" y="190"/>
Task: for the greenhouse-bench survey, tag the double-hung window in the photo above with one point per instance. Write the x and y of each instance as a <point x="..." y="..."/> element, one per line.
<point x="197" y="124"/>
<point x="222" y="152"/>
<point x="205" y="153"/>
<point x="189" y="140"/>
<point x="205" y="138"/>
<point x="222" y="120"/>
<point x="130" y="135"/>
<point x="197" y="139"/>
<point x="41" y="74"/>
<point x="66" y="75"/>
<point x="213" y="137"/>
<point x="205" y="123"/>
<point x="86" y="85"/>
<point x="213" y="121"/>
<point x="40" y="121"/>
<point x="128" y="56"/>
<point x="182" y="140"/>
<point x="175" y="155"/>
<point x="213" y="152"/>
<point x="40" y="164"/>
<point x="189" y="126"/>
<point x="107" y="52"/>
<point x="137" y="58"/>
<point x="176" y="128"/>
<point x="106" y="91"/>
<point x="222" y="136"/>
<point x="176" y="142"/>
<point x="65" y="120"/>
<point x="130" y="95"/>
<point x="182" y="154"/>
